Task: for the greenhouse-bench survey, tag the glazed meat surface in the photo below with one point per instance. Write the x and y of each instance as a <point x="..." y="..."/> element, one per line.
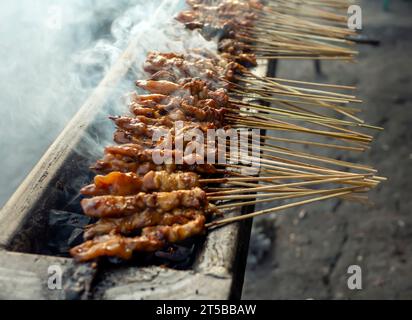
<point x="118" y="206"/>
<point x="123" y="184"/>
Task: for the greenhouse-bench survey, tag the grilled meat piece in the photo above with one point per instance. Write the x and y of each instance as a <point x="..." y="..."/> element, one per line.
<point x="178" y="233"/>
<point x="139" y="129"/>
<point x="140" y="166"/>
<point x="113" y="206"/>
<point x="112" y="163"/>
<point x="158" y="87"/>
<point x="146" y="218"/>
<point x="152" y="239"/>
<point x="116" y="246"/>
<point x="191" y="90"/>
<point x="117" y="183"/>
<point x="208" y="67"/>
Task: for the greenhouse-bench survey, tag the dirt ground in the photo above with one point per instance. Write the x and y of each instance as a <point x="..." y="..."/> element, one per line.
<point x="305" y="253"/>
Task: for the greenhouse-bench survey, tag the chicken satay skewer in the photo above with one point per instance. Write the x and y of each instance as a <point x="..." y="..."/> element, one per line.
<point x="110" y="206"/>
<point x="151" y="240"/>
<point x="142" y="219"/>
<point x="123" y="184"/>
<point x="155" y="238"/>
<point x="266" y="164"/>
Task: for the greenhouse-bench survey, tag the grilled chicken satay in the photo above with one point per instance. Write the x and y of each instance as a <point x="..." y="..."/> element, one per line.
<point x="151" y="240"/>
<point x="187" y="66"/>
<point x="216" y="17"/>
<point x="177" y="210"/>
<point x="185" y="113"/>
<point x="177" y="108"/>
<point x="224" y="20"/>
<point x="116" y="160"/>
<point x="158" y="87"/>
<point x="157" y="112"/>
<point x="191" y="91"/>
<point x="117" y="183"/>
<point x="232" y="46"/>
<point x="226" y="10"/>
<point x="124" y="137"/>
<point x="178" y="233"/>
<point x="245" y="59"/>
<point x="114" y="206"/>
<point x="137" y="153"/>
<point x="136" y="127"/>
<point x="141" y="126"/>
<point x="205" y="110"/>
<point x="234" y="4"/>
<point x="212" y="26"/>
<point x="237" y="51"/>
<point x="116" y="246"/>
<point x="149" y="98"/>
<point x="139" y="220"/>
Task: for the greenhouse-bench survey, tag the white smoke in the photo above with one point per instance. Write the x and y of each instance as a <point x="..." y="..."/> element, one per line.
<point x="53" y="53"/>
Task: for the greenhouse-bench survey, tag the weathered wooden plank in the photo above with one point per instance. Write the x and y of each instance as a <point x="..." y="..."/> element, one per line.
<point x="25" y="276"/>
<point x="216" y="274"/>
<point x="161" y="283"/>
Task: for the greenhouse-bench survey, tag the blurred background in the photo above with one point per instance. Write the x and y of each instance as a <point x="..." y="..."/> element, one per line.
<point x="54" y="53"/>
<point x="305" y="254"/>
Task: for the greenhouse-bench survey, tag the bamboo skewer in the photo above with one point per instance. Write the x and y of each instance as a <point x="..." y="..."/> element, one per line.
<point x="310" y="83"/>
<point x="272" y="164"/>
<point x="280" y="35"/>
<point x="227" y="194"/>
<point x="317" y="49"/>
<point x="276" y="123"/>
<point x="276" y="198"/>
<point x="263" y="115"/>
<point x="270" y="84"/>
<point x="311" y="97"/>
<point x="278" y="30"/>
<point x="222" y="222"/>
<point x="240" y="179"/>
<point x="285" y="151"/>
<point x="312" y="143"/>
<point x="294" y="103"/>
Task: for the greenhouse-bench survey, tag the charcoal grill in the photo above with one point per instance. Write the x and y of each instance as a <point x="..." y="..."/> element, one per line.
<point x="217" y="264"/>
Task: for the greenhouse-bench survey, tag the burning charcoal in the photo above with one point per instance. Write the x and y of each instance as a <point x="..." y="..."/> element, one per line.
<point x="66" y="230"/>
<point x="175" y="253"/>
<point x="177" y="256"/>
<point x="78" y="281"/>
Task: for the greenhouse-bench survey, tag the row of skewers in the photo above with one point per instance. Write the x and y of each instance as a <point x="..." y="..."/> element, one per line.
<point x="145" y="205"/>
<point x="276" y="29"/>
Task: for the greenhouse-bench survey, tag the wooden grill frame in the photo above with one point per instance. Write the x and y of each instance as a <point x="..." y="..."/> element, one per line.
<point x="219" y="267"/>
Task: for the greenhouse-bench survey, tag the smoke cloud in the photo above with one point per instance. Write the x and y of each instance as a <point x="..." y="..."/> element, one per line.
<point x="54" y="53"/>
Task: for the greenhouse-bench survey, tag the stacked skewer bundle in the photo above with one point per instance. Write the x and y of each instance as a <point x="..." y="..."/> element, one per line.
<point x="281" y="29"/>
<point x="145" y="205"/>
